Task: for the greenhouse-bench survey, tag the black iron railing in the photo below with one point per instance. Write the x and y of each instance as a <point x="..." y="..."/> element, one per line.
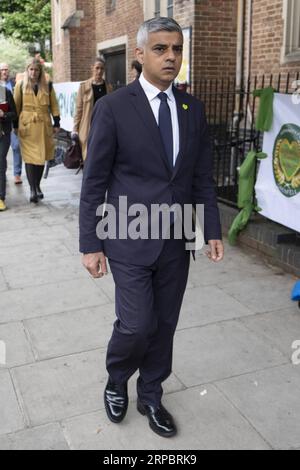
<point x="231" y="114"/>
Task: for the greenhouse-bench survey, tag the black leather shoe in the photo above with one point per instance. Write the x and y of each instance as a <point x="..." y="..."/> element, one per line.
<point x="39" y="194"/>
<point x="160" y="420"/>
<point x="33" y="196"/>
<point x="116" y="401"/>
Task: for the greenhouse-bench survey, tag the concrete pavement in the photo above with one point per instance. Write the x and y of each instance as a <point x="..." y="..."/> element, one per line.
<point x="233" y="386"/>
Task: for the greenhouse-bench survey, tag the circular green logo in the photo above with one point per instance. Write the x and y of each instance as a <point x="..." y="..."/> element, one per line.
<point x="286" y="160"/>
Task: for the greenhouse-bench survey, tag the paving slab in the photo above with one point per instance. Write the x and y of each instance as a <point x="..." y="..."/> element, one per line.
<point x="47" y="299"/>
<point x="281" y="327"/>
<point x="270" y="401"/>
<point x="11" y="418"/>
<point x="18" y="347"/>
<point x="209" y="304"/>
<point x="106" y="284"/>
<point x="213" y="352"/>
<point x="266" y="294"/>
<point x="72" y="245"/>
<point x="3" y="283"/>
<point x="38" y="272"/>
<point x="33" y="237"/>
<point x="204" y="273"/>
<point x="23" y="253"/>
<point x="49" y="437"/>
<point x="70" y="332"/>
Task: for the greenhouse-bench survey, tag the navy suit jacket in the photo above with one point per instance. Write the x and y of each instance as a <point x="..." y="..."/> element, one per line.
<point x="126" y="157"/>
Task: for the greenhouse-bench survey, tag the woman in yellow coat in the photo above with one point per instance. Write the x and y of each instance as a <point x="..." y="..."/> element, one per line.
<point x="89" y="93"/>
<point x="35" y="102"/>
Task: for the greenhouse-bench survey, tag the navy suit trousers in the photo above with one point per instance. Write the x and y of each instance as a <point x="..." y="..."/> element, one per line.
<point x="148" y="302"/>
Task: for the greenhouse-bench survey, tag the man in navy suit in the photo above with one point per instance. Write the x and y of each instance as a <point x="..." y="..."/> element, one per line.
<point x="150" y="143"/>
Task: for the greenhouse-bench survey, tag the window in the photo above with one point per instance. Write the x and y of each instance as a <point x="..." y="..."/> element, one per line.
<point x="291" y="47"/>
<point x="57" y="22"/>
<point x="157" y="8"/>
<point x="170" y="8"/>
<point x="110" y="5"/>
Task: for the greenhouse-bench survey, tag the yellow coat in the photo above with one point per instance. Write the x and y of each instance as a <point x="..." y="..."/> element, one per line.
<point x="35" y="126"/>
<point x="84" y="109"/>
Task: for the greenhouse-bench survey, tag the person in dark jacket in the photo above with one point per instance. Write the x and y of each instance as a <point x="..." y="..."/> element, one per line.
<point x="7" y="115"/>
<point x="150" y="145"/>
<point x="17" y="158"/>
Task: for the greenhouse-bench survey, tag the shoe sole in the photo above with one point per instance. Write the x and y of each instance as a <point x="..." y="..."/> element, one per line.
<point x="161" y="434"/>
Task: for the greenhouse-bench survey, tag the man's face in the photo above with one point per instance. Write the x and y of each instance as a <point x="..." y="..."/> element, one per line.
<point x="4" y="72"/>
<point x="98" y="71"/>
<point x="161" y="58"/>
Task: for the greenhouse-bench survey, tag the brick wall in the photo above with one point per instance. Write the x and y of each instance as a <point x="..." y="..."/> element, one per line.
<point x="215" y="38"/>
<point x="82" y="41"/>
<point x="61" y="51"/>
<point x="124" y="20"/>
<point x="73" y="57"/>
<point x="213" y="35"/>
<point x="267" y="39"/>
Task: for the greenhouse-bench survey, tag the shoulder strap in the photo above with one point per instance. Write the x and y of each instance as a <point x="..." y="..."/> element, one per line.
<point x="21" y="92"/>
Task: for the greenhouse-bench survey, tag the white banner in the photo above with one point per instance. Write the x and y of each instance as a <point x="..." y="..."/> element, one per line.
<point x="278" y="182"/>
<point x="66" y="94"/>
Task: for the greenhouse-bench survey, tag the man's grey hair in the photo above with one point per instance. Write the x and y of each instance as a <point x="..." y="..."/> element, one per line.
<point x="156" y="25"/>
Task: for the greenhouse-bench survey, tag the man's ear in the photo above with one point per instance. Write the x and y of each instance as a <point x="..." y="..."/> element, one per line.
<point x="139" y="54"/>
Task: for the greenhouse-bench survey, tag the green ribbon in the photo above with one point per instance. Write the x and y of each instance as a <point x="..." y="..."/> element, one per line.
<point x="245" y="194"/>
<point x="264" y="118"/>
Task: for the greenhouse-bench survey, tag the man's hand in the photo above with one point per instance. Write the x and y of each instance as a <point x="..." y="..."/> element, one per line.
<point x="1" y="113"/>
<point x="95" y="263"/>
<point x="216" y="252"/>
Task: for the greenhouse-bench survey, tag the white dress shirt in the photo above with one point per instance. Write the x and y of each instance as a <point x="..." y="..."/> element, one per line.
<point x="151" y="92"/>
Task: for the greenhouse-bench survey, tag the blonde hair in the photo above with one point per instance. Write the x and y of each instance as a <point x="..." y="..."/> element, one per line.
<point x="42" y="81"/>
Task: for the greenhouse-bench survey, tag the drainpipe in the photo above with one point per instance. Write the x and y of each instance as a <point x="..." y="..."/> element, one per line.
<point x="240" y="43"/>
<point x="249" y="52"/>
<point x="249" y="39"/>
<point x="237" y="117"/>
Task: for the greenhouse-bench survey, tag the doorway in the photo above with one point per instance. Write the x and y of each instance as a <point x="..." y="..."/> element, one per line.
<point x="115" y="68"/>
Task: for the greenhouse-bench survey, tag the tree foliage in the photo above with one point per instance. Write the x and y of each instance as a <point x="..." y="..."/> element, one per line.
<point x="27" y="20"/>
<point x="13" y="53"/>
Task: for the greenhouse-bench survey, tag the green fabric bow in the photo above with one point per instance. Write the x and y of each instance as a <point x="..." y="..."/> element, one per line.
<point x="247" y="175"/>
<point x="245" y="194"/>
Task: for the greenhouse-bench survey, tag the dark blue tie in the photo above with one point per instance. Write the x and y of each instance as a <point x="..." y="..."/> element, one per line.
<point x="165" y="126"/>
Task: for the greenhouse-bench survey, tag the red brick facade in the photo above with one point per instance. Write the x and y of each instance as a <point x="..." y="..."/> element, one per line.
<point x="107" y="26"/>
<point x="266" y="40"/>
<point x="210" y="53"/>
<point x="215" y="38"/>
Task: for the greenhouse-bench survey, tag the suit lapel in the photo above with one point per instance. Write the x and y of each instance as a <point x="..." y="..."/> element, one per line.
<point x="182" y="113"/>
<point x="143" y="108"/>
